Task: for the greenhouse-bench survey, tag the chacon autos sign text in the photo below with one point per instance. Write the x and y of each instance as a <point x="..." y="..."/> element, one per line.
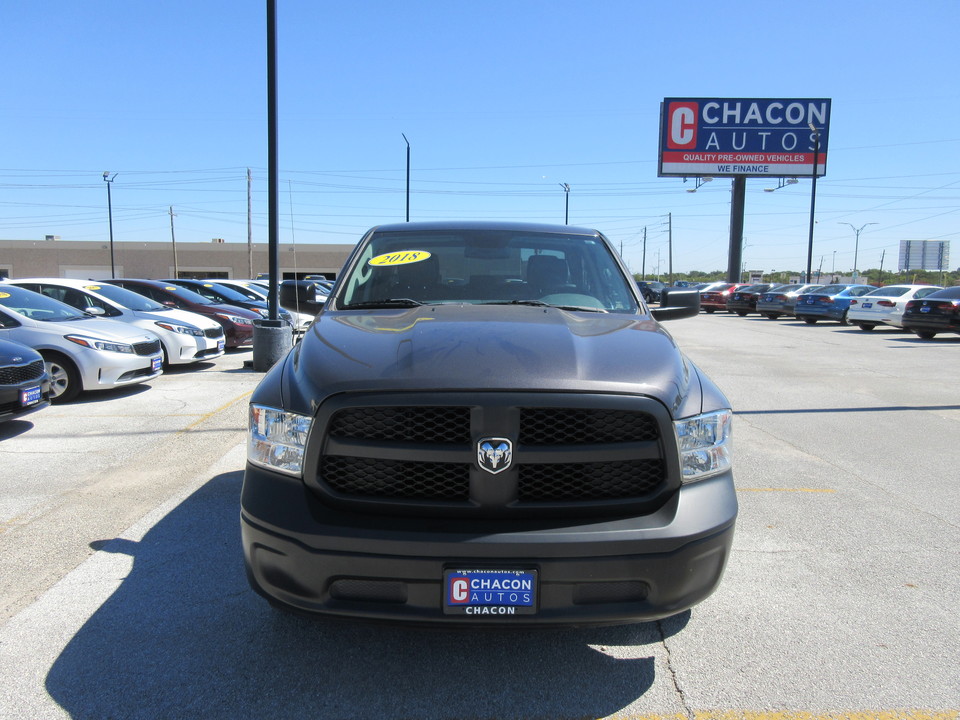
<point x="708" y="137"/>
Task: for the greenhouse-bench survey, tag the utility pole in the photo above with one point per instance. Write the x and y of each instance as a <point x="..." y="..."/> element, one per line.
<point x="670" y="248"/>
<point x="173" y="241"/>
<point x="643" y="264"/>
<point x="880" y="279"/>
<point x="249" y="229"/>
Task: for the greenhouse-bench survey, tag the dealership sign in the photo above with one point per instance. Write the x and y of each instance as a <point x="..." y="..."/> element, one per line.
<point x="706" y="137"/>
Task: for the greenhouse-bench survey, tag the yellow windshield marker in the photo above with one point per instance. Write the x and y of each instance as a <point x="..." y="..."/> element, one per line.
<point x="404" y="257"/>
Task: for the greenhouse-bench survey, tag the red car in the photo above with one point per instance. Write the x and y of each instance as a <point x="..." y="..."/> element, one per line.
<point x="714" y="297"/>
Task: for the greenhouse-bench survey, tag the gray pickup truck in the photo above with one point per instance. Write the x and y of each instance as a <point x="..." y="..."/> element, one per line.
<point x="486" y="424"/>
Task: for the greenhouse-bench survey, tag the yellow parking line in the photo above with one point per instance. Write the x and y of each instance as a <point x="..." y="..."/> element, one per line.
<point x="803" y="715"/>
<point x="210" y="414"/>
<point x="806" y="490"/>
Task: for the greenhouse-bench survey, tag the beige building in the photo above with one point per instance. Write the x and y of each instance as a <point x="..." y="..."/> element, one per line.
<point x="91" y="260"/>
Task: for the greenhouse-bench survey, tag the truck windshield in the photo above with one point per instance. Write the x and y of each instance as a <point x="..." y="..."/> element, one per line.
<point x="577" y="272"/>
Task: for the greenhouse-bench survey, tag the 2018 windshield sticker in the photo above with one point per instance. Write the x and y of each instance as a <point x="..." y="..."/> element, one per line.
<point x="403" y="257"/>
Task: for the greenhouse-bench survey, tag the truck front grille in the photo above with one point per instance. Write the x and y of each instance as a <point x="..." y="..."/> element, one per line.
<point x="569" y="452"/>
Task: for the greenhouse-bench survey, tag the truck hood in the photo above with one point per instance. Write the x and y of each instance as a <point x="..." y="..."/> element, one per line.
<point x="488" y="347"/>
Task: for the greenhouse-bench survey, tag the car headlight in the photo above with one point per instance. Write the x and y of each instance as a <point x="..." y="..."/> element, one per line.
<point x="705" y="444"/>
<point x="264" y="313"/>
<point x="277" y="439"/>
<point x="96" y="344"/>
<point x="182" y="329"/>
<point x="235" y="319"/>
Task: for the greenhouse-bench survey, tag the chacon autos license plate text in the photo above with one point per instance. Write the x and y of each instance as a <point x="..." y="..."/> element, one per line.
<point x="490" y="592"/>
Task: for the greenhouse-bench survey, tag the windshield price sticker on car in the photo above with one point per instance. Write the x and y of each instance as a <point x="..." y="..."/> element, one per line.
<point x="403" y="257"/>
<point x="490" y="592"/>
<point x="30" y="396"/>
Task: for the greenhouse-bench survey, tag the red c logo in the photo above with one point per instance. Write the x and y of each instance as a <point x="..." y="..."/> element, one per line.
<point x="682" y="125"/>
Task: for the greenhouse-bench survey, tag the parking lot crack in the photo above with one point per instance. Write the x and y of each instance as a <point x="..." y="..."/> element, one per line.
<point x="687" y="710"/>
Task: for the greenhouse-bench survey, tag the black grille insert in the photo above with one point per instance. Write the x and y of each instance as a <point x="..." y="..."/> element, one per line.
<point x="147" y="348"/>
<point x="577" y="426"/>
<point x="404" y="424"/>
<point x="368" y="477"/>
<point x="589" y="481"/>
<point x="16" y="374"/>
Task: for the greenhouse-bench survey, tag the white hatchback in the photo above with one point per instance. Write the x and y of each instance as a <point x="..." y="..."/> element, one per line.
<point x="186" y="337"/>
<point x="884" y="306"/>
<point x="81" y="352"/>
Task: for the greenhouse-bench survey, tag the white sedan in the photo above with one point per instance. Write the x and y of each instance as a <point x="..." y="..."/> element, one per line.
<point x="81" y="352"/>
<point x="884" y="306"/>
<point x="186" y="337"/>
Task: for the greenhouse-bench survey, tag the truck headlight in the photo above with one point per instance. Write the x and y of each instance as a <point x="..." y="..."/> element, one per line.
<point x="277" y="439"/>
<point x="705" y="444"/>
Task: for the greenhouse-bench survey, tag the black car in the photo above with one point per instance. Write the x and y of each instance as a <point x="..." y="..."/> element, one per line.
<point x="485" y="424"/>
<point x="651" y="289"/>
<point x="744" y="301"/>
<point x="938" y="312"/>
<point x="225" y="295"/>
<point x="24" y="383"/>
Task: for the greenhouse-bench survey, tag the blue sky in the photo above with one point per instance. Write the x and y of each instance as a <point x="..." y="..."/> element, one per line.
<point x="501" y="102"/>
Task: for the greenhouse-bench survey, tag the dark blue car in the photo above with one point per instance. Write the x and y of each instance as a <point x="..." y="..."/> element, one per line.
<point x="830" y="302"/>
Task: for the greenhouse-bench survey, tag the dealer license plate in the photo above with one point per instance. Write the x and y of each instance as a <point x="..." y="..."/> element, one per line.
<point x="925" y="308"/>
<point x="219" y="344"/>
<point x="490" y="593"/>
<point x="156" y="363"/>
<point x="30" y="396"/>
<point x="867" y="305"/>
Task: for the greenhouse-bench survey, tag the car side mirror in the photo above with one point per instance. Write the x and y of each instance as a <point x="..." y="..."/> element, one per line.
<point x="95" y="311"/>
<point x="299" y="295"/>
<point x="677" y="303"/>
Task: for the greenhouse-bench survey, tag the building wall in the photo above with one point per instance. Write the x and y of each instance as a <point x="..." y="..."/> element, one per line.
<point x="58" y="258"/>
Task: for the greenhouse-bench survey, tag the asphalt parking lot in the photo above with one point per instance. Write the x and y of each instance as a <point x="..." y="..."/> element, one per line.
<point x="123" y="593"/>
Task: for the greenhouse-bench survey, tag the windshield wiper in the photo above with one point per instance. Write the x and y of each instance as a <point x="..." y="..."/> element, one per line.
<point x="540" y="303"/>
<point x="385" y="303"/>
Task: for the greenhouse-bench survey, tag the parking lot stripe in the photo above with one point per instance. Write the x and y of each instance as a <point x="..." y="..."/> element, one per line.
<point x="804" y="715"/>
<point x="805" y="490"/>
<point x="210" y="414"/>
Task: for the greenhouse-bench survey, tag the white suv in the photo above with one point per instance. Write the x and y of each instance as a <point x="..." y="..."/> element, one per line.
<point x="81" y="352"/>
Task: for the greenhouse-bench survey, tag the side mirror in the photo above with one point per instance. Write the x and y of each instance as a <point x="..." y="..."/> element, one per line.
<point x="299" y="296"/>
<point x="677" y="303"/>
<point x="95" y="311"/>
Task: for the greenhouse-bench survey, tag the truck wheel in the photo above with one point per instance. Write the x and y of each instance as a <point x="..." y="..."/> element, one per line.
<point x="64" y="378"/>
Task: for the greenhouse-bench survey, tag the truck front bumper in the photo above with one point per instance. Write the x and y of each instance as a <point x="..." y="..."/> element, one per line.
<point x="302" y="555"/>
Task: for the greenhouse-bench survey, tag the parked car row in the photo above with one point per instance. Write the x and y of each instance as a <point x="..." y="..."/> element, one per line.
<point x="925" y="310"/>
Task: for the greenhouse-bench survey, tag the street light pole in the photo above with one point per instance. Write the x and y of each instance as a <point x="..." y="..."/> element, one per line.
<point x="408" y="175"/>
<point x="566" y="211"/>
<point x="856" y="245"/>
<point x="108" y="179"/>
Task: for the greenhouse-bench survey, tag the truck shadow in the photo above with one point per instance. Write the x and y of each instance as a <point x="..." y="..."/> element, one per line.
<point x="183" y="636"/>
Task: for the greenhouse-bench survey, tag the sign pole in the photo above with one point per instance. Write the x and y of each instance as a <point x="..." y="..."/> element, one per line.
<point x="736" y="228"/>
